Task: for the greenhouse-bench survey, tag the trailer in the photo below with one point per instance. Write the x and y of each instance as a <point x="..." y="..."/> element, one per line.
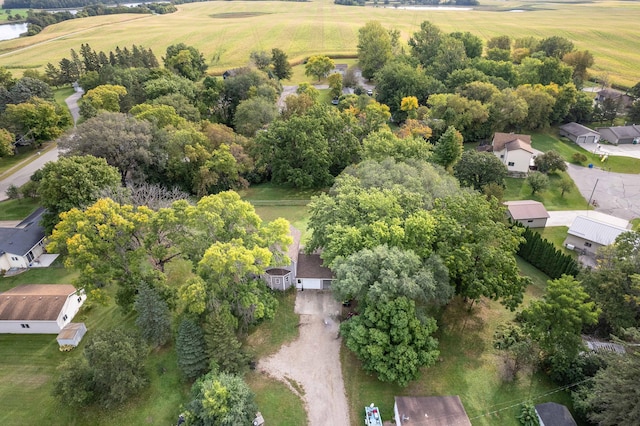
<point x="372" y="416"/>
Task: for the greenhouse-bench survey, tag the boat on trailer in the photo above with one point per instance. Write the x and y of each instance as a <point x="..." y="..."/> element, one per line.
<point x="372" y="416"/>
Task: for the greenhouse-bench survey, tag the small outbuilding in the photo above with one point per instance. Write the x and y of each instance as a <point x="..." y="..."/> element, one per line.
<point x="621" y="134"/>
<point x="529" y="213"/>
<point x="71" y="334"/>
<point x="579" y="133"/>
<point x="39" y="308"/>
<point x="430" y="411"/>
<point x="553" y="414"/>
<point x="282" y="278"/>
<point x="588" y="235"/>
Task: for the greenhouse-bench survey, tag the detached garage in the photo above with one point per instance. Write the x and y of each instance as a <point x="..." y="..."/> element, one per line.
<point x="579" y="133"/>
<point x="311" y="274"/>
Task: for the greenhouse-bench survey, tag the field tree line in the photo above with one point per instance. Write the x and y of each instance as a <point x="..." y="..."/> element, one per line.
<point x="409" y="222"/>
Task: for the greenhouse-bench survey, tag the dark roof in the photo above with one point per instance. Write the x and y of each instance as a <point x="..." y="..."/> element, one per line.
<point x="24" y="236"/>
<point x="576" y="129"/>
<point x="34" y="302"/>
<point x="501" y="139"/>
<point x="553" y="414"/>
<point x="432" y="410"/>
<point x="624" y="132"/>
<point x="526" y="209"/>
<point x="310" y="266"/>
<point x="277" y="272"/>
<point x="294" y="247"/>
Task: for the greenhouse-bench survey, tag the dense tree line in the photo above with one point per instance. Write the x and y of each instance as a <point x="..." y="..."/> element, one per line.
<point x="545" y="256"/>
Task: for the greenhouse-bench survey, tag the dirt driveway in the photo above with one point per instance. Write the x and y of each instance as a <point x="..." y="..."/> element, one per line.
<point x="312" y="362"/>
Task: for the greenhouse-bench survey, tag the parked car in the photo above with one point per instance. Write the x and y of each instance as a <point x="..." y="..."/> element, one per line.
<point x="370" y="92"/>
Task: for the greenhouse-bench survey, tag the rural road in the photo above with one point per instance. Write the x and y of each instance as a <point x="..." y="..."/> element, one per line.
<point x="22" y="176"/>
<point x="72" y="103"/>
<point x="617" y="194"/>
<point x="312" y="361"/>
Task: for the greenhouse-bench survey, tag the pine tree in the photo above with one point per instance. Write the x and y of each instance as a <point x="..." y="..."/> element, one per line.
<point x="153" y="319"/>
<point x="223" y="347"/>
<point x="190" y="345"/>
<point x="448" y="150"/>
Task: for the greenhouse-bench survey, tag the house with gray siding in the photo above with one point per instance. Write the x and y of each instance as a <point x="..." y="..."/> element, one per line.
<point x="588" y="235"/>
<point x="579" y="133"/>
<point x="620" y="134"/>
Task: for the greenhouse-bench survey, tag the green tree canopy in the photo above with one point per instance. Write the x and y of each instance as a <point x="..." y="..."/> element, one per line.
<point x="281" y="67"/>
<point x="478" y="169"/>
<point x="374" y="48"/>
<point x="191" y="349"/>
<point x="154" y="317"/>
<point x="36" y="119"/>
<point x="319" y="66"/>
<point x="186" y="61"/>
<point x="448" y="149"/>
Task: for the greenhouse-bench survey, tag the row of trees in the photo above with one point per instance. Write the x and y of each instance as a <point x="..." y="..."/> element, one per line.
<point x="543" y="255"/>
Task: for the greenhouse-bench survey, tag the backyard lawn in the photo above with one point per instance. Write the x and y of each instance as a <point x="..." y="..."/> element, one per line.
<point x="468" y="367"/>
<point x="556" y="235"/>
<point x="552" y="198"/>
<point x="566" y="148"/>
<point x="17" y="209"/>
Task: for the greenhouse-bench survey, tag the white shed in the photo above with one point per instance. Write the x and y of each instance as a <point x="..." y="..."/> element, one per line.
<point x="39" y="308"/>
<point x="71" y="334"/>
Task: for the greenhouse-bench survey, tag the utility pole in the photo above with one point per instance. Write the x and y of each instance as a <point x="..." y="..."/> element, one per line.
<point x="592" y="192"/>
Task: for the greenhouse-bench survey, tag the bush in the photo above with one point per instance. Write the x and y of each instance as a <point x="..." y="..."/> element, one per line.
<point x="13" y="192"/>
<point x="579" y="158"/>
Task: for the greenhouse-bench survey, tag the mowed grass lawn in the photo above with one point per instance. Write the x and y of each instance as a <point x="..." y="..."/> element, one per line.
<point x="17" y="209"/>
<point x="552" y="198"/>
<point x="566" y="148"/>
<point x="556" y="235"/>
<point x="226" y="32"/>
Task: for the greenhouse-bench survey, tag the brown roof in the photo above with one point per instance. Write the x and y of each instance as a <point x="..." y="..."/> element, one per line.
<point x="310" y="266"/>
<point x="34" y="302"/>
<point x="432" y="410"/>
<point x="70" y="330"/>
<point x="519" y="144"/>
<point x="526" y="209"/>
<point x="501" y="139"/>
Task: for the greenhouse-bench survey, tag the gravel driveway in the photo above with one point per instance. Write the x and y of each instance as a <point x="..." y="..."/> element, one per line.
<point x="312" y="362"/>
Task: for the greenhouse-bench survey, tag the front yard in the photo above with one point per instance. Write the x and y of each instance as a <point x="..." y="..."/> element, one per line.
<point x="552" y="198"/>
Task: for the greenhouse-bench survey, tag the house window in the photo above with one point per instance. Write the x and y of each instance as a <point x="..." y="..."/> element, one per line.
<point x="501" y="155"/>
<point x="24" y="325"/>
<point x="79" y="299"/>
<point x="587" y="244"/>
<point x="530" y="221"/>
<point x="511" y="164"/>
<point x="64" y="318"/>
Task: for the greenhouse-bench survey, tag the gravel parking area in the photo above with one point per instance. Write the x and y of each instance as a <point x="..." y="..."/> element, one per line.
<point x="310" y="365"/>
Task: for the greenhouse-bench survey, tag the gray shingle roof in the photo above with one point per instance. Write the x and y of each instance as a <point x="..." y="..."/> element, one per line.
<point x="310" y="266"/>
<point x="553" y="414"/>
<point x="22" y="238"/>
<point x="624" y="132"/>
<point x="432" y="410"/>
<point x="577" y="129"/>
<point x="594" y="230"/>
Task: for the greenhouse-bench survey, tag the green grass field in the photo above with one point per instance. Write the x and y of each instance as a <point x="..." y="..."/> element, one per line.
<point x="566" y="148"/>
<point x="17" y="209"/>
<point x="231" y="30"/>
<point x="518" y="189"/>
<point x="556" y="235"/>
<point x="4" y="16"/>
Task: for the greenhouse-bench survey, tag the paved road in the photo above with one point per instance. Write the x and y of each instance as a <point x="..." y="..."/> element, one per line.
<point x="22" y="176"/>
<point x="617" y="194"/>
<point x="566" y="218"/>
<point x="72" y="103"/>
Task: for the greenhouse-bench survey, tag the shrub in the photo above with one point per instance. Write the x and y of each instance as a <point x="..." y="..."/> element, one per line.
<point x="579" y="158"/>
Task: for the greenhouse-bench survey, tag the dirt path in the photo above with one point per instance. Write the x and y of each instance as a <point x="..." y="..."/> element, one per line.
<point x="310" y="365"/>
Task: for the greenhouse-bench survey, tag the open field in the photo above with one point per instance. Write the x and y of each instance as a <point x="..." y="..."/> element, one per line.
<point x="233" y="29"/>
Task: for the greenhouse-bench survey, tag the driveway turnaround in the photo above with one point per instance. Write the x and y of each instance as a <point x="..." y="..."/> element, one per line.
<point x="617" y="194"/>
<point x="311" y="363"/>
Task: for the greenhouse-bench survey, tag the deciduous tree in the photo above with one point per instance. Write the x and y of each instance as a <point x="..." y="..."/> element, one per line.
<point x="281" y="67"/>
<point x="319" y="66"/>
<point x="537" y="181"/>
<point x="478" y="169"/>
<point x="374" y="48"/>
<point x="186" y="61"/>
<point x="550" y="162"/>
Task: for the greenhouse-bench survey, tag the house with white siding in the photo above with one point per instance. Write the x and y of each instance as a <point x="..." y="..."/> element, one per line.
<point x="39" y="308"/>
<point x="514" y="151"/>
<point x="22" y="244"/>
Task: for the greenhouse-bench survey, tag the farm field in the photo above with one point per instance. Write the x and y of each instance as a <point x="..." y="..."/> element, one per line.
<point x="228" y="31"/>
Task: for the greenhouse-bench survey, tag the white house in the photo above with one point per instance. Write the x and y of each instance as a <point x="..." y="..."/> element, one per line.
<point x="513" y="150"/>
<point x="305" y="270"/>
<point x="531" y="214"/>
<point x="22" y="244"/>
<point x="39" y="308"/>
<point x="588" y="235"/>
<point x="430" y="411"/>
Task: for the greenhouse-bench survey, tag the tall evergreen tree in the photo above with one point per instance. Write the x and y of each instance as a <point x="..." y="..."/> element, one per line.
<point x="223" y="347"/>
<point x="153" y="319"/>
<point x="191" y="348"/>
<point x="448" y="149"/>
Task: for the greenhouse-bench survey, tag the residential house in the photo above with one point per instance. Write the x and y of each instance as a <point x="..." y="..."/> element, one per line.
<point x="312" y="274"/>
<point x="553" y="414"/>
<point x="39" y="308"/>
<point x="623" y="100"/>
<point x="588" y="235"/>
<point x="579" y="133"/>
<point x="621" y="134"/>
<point x="340" y="69"/>
<point x="531" y="214"/>
<point x="430" y="411"/>
<point x="22" y="244"/>
<point x="514" y="151"/>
